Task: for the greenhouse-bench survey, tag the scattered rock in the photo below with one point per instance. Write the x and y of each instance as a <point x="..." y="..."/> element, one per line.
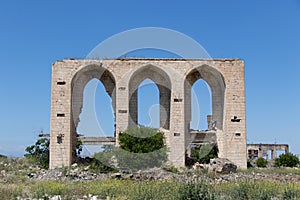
<point x="74" y="165"/>
<point x="31" y="175"/>
<point x="198" y="166"/>
<point x="222" y="165"/>
<point x="3" y="173"/>
<point x="116" y="175"/>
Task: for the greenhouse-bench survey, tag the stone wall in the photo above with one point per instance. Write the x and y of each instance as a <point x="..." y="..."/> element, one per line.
<point x="174" y="78"/>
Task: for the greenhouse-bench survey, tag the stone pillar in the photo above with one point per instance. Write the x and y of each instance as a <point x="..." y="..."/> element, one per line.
<point x="235" y="115"/>
<point x="274" y="153"/>
<point x="260" y="153"/>
<point x="286" y="149"/>
<point x="188" y="116"/>
<point x="61" y="138"/>
<point x="177" y="126"/>
<point x="164" y="101"/>
<point x="209" y="122"/>
<point x="133" y="109"/>
<point x="123" y="119"/>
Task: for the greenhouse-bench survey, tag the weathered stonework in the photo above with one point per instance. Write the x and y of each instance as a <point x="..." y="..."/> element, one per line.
<point x="174" y="78"/>
<point x="263" y="150"/>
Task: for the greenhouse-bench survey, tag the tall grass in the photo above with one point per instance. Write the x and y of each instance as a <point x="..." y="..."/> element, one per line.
<point x="128" y="189"/>
<point x="275" y="170"/>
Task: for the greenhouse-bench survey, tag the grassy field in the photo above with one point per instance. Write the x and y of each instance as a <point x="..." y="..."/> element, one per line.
<point x="18" y="184"/>
<point x="128" y="189"/>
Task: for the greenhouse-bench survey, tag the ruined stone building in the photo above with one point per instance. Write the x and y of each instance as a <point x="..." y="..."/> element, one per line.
<point x="174" y="79"/>
<point x="267" y="151"/>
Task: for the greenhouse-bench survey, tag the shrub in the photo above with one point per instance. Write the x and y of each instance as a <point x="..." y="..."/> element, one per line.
<point x="140" y="148"/>
<point x="287" y="160"/>
<point x="141" y="140"/>
<point x="171" y="168"/>
<point x="3" y="156"/>
<point x="290" y="193"/>
<point x="204" y="153"/>
<point x="99" y="167"/>
<point x="196" y="190"/>
<point x="39" y="152"/>
<point x="261" y="162"/>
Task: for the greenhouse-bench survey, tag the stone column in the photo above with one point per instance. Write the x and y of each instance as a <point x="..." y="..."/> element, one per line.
<point x="123" y="119"/>
<point x="177" y="126"/>
<point x="61" y="139"/>
<point x="274" y="153"/>
<point x="164" y="101"/>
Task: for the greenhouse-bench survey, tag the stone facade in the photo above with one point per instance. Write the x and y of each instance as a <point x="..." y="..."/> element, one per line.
<point x="174" y="78"/>
<point x="263" y="150"/>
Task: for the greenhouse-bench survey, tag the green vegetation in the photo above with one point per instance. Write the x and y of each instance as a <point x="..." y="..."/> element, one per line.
<point x="141" y="140"/>
<point x="39" y="152"/>
<point x="258" y="190"/>
<point x="128" y="189"/>
<point x="140" y="148"/>
<point x="98" y="164"/>
<point x="18" y="184"/>
<point x="275" y="170"/>
<point x="287" y="160"/>
<point x="3" y="156"/>
<point x="194" y="190"/>
<point x="204" y="153"/>
<point x="261" y="162"/>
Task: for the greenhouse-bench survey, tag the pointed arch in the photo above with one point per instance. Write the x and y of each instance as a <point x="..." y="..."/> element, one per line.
<point x="78" y="83"/>
<point x="162" y="80"/>
<point x="216" y="82"/>
<point x="148" y="104"/>
<point x="201" y="105"/>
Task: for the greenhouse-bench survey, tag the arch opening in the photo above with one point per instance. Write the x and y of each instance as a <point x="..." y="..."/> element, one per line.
<point x="216" y="87"/>
<point x="159" y="78"/>
<point x="201" y="106"/>
<point x="93" y="106"/>
<point x="148" y="104"/>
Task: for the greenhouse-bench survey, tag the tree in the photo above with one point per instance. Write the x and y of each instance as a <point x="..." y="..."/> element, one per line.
<point x="204" y="153"/>
<point x="141" y="140"/>
<point x="287" y="160"/>
<point x="3" y="156"/>
<point x="39" y="152"/>
<point x="261" y="162"/>
<point x="140" y="148"/>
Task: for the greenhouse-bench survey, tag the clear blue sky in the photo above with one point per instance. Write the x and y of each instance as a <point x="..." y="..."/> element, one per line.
<point x="266" y="34"/>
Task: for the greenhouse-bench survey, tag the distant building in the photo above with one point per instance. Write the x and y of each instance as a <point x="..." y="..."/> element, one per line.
<point x="267" y="151"/>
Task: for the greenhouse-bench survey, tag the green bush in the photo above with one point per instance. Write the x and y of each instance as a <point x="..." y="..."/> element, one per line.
<point x="261" y="162"/>
<point x="171" y="168"/>
<point x="39" y="152"/>
<point x="140" y="148"/>
<point x="287" y="160"/>
<point x="3" y="156"/>
<point x="98" y="167"/>
<point x="204" y="153"/>
<point x="101" y="162"/>
<point x="141" y="140"/>
<point x="194" y="190"/>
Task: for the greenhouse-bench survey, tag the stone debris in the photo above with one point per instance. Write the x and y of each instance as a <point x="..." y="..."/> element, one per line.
<point x="222" y="165"/>
<point x="3" y="173"/>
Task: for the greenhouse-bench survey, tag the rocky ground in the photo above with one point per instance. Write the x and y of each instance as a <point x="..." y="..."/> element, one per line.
<point x="77" y="174"/>
<point x="217" y="173"/>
